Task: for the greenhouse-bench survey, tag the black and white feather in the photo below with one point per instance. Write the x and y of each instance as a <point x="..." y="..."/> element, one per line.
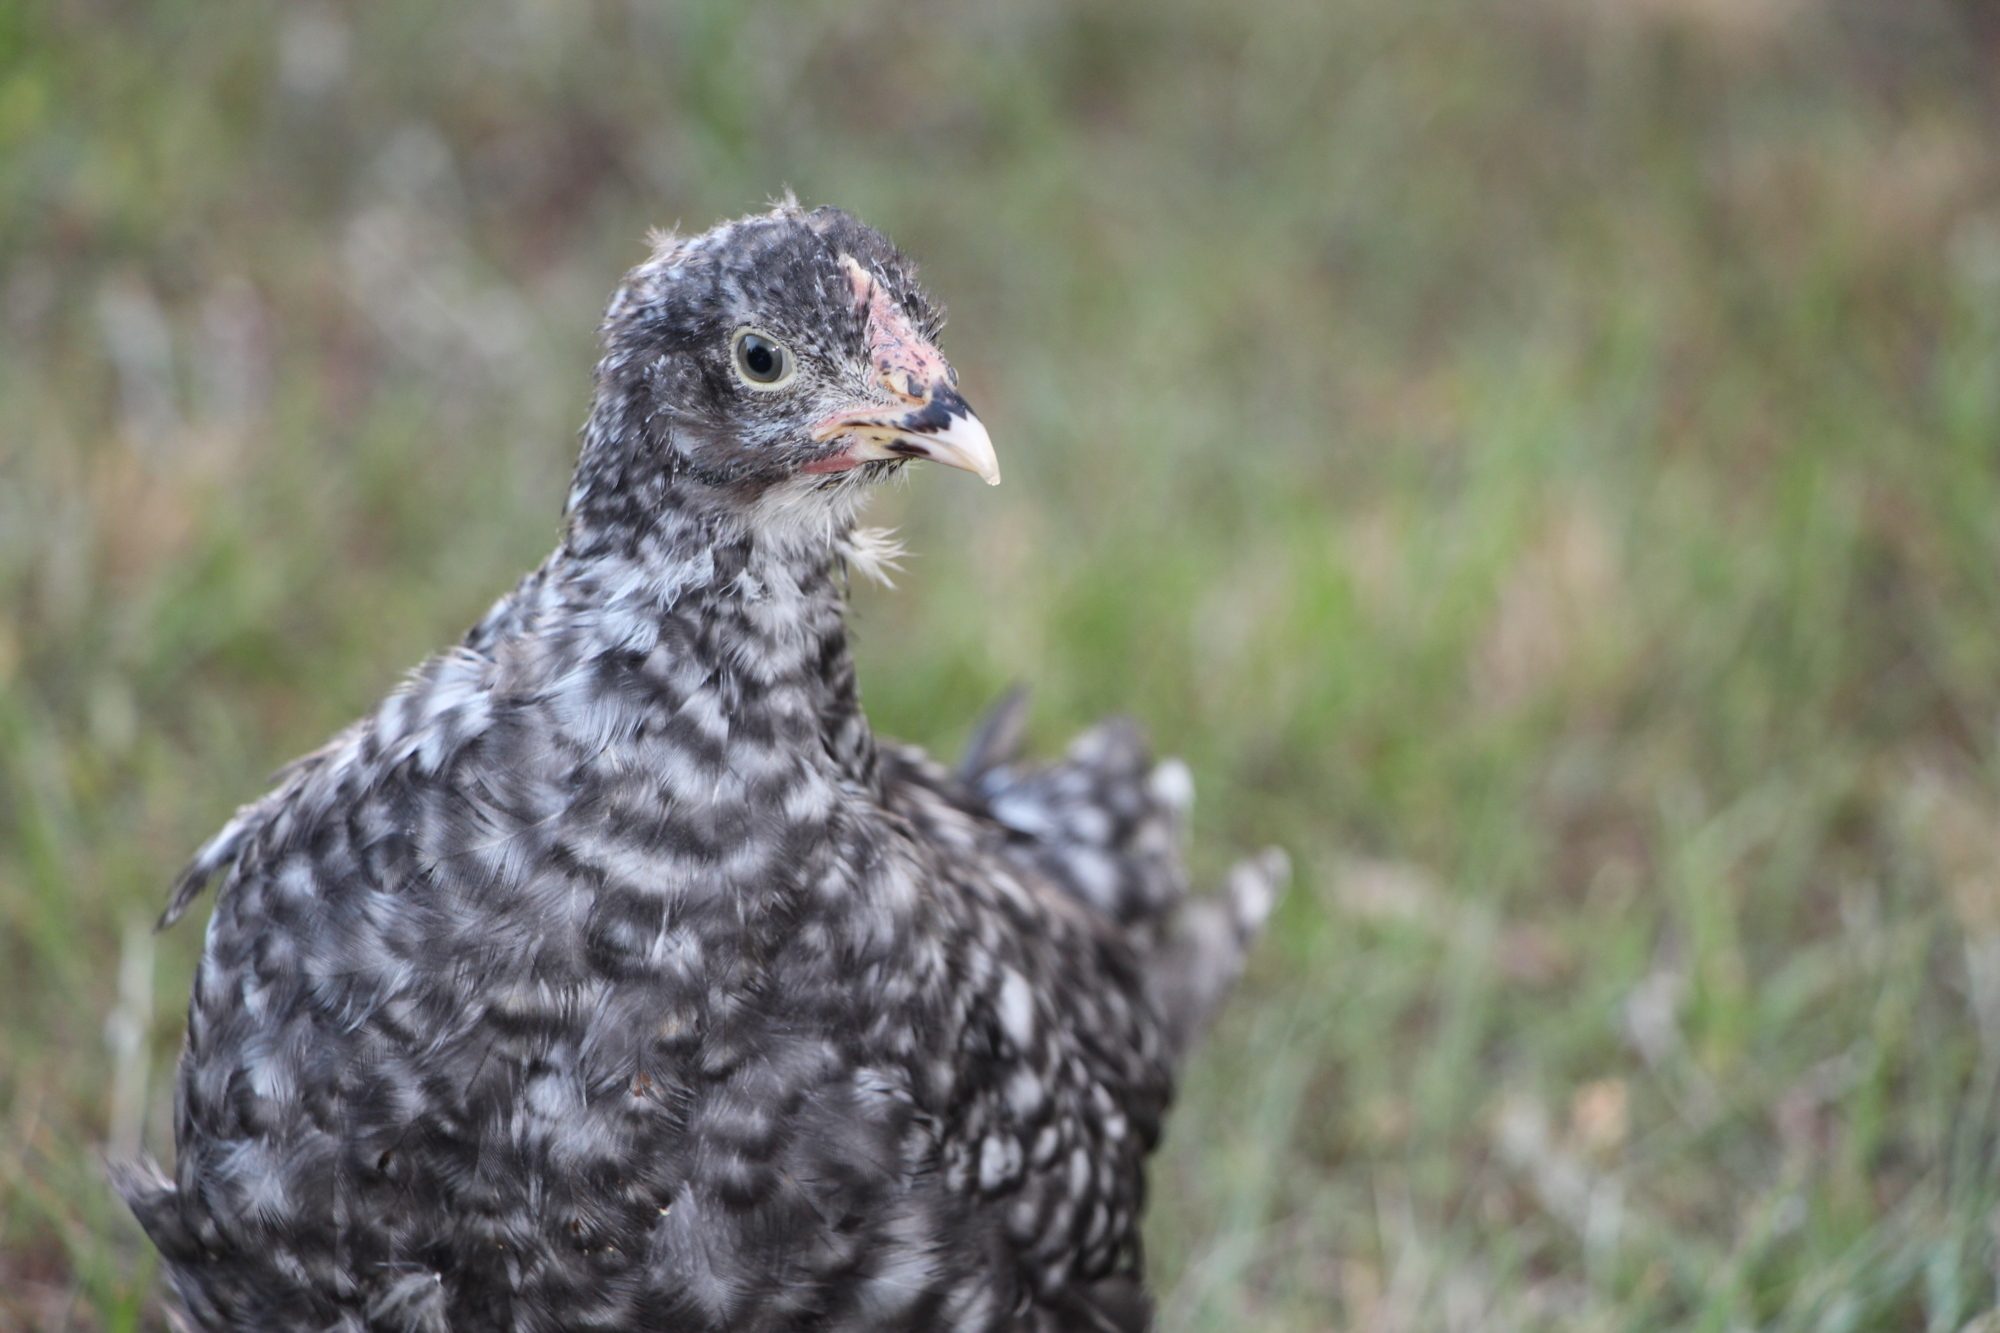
<point x="612" y="975"/>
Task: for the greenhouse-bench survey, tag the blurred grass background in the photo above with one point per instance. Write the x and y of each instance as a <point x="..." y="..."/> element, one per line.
<point x="1539" y="462"/>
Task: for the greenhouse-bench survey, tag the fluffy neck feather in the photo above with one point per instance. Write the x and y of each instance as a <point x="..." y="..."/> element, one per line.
<point x="656" y="561"/>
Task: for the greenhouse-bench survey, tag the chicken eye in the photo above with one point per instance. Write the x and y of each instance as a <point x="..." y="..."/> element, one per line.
<point x="762" y="361"/>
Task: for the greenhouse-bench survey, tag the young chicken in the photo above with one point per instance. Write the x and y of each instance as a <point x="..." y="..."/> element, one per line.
<point x="612" y="974"/>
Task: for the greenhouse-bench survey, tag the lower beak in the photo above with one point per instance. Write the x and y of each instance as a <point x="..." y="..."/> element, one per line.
<point x="941" y="428"/>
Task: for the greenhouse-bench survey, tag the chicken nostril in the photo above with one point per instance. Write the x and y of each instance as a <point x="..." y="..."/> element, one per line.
<point x="902" y="384"/>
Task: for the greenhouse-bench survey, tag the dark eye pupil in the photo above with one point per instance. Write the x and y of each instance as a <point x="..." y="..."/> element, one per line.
<point x="759" y="358"/>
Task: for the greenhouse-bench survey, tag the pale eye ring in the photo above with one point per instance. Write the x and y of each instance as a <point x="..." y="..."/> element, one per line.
<point x="761" y="360"/>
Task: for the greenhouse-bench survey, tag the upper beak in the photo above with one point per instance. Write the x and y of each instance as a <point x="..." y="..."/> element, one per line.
<point x="939" y="427"/>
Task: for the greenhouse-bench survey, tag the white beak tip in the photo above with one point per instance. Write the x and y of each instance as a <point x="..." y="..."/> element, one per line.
<point x="965" y="444"/>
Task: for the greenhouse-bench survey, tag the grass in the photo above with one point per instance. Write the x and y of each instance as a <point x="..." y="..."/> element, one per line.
<point x="1540" y="463"/>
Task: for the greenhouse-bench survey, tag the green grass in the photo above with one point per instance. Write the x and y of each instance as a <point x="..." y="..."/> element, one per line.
<point x="1540" y="463"/>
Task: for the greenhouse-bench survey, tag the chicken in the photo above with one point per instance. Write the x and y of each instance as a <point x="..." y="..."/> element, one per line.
<point x="612" y="974"/>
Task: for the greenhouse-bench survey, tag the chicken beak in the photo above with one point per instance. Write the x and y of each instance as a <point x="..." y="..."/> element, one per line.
<point x="964" y="443"/>
<point x="925" y="417"/>
<point x="939" y="427"/>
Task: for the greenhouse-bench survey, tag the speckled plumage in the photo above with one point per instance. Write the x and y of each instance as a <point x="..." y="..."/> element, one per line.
<point x="612" y="975"/>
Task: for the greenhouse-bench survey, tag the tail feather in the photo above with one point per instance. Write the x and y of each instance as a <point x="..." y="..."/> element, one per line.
<point x="1104" y="821"/>
<point x="1109" y="824"/>
<point x="997" y="739"/>
<point x="1202" y="954"/>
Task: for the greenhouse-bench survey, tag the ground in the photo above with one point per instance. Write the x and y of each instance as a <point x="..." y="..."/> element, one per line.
<point x="1539" y="463"/>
